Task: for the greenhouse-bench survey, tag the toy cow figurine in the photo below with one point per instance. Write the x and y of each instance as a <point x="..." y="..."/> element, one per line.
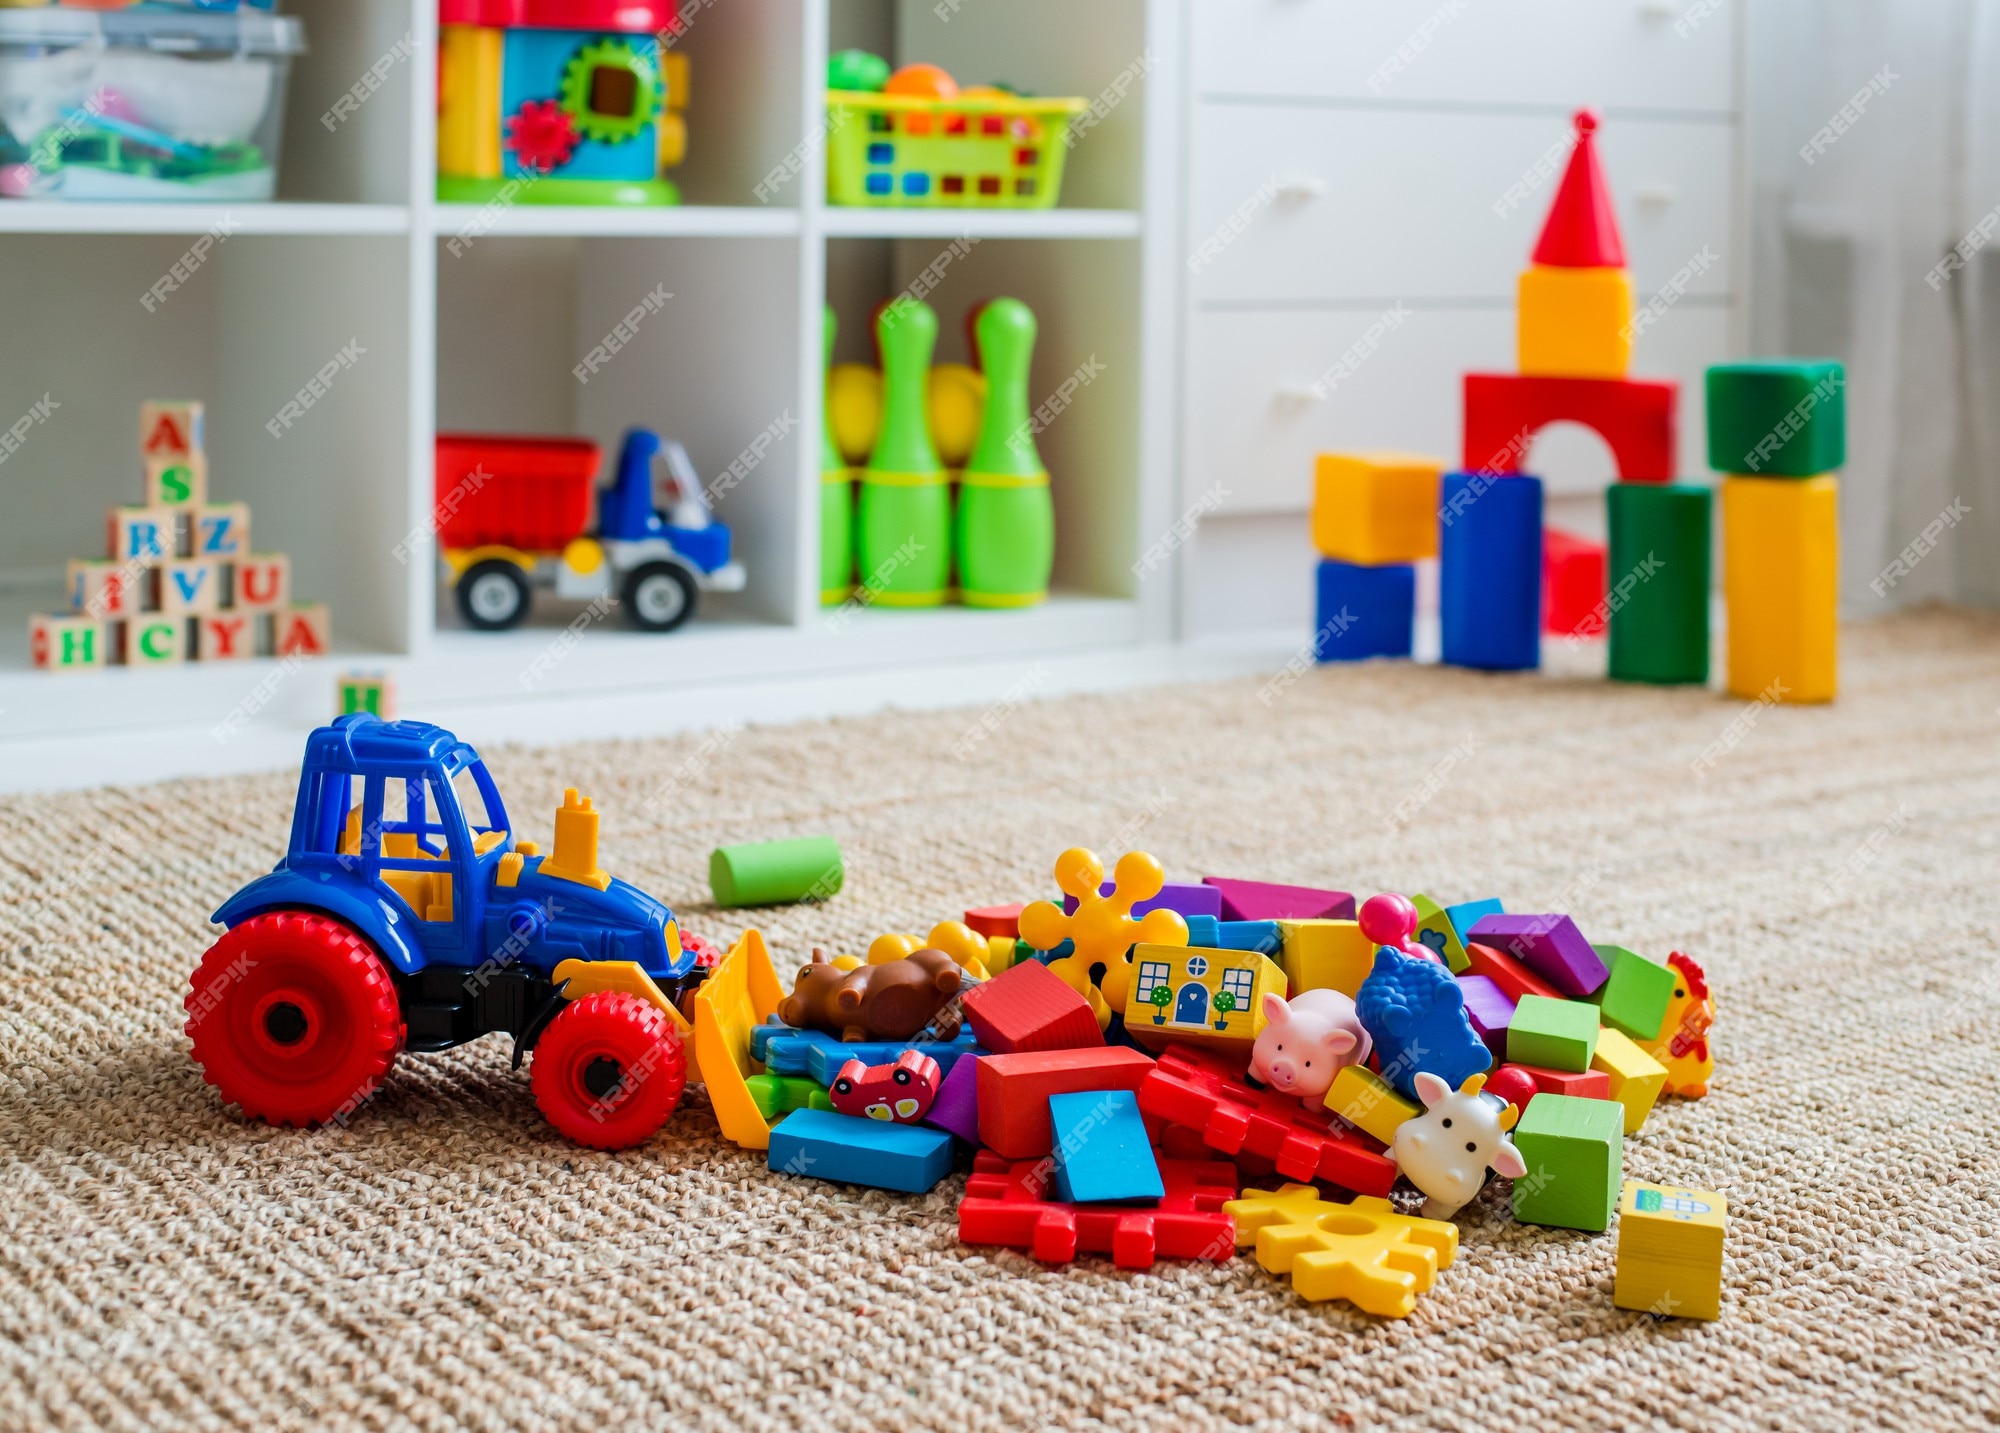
<point x="1446" y="1150"/>
<point x="1305" y="1042"/>
<point x="1683" y="1043"/>
<point x="896" y="1000"/>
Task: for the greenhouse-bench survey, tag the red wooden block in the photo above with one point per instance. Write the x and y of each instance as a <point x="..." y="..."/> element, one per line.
<point x="1014" y="1092"/>
<point x="1028" y="1007"/>
<point x="990" y="921"/>
<point x="1186" y="1088"/>
<point x="1514" y="978"/>
<point x="1267" y="901"/>
<point x="1005" y="1203"/>
<point x="1572" y="585"/>
<point x="1585" y="1085"/>
<point x="1634" y="416"/>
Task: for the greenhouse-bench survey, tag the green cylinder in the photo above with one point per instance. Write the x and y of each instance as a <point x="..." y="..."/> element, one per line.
<point x="1005" y="540"/>
<point x="1658" y="581"/>
<point x="776" y="873"/>
<point x="905" y="515"/>
<point x="836" y="502"/>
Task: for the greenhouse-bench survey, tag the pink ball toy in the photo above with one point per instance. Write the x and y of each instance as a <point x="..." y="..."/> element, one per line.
<point x="1390" y="919"/>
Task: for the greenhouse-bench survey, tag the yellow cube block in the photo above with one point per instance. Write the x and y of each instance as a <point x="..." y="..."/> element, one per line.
<point x="1376" y="508"/>
<point x="1368" y="1102"/>
<point x="1670" y="1250"/>
<point x="1781" y="581"/>
<point x="1574" y="323"/>
<point x="1636" y="1078"/>
<point x="1326" y="955"/>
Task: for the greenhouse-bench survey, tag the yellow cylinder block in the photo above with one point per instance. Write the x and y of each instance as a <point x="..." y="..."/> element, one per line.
<point x="1781" y="581"/>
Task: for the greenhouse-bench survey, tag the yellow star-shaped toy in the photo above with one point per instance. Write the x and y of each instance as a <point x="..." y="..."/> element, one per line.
<point x="1101" y="927"/>
<point x="1364" y="1252"/>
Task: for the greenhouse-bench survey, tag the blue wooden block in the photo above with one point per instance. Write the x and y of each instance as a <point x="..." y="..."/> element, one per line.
<point x="822" y="1144"/>
<point x="1365" y="611"/>
<point x="1102" y="1153"/>
<point x="1467" y="914"/>
<point x="1261" y="936"/>
<point x="1490" y="571"/>
<point x="1415" y="1012"/>
<point x="814" y="1053"/>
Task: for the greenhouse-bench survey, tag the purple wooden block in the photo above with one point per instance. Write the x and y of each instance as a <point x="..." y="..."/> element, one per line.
<point x="1549" y="945"/>
<point x="956" y="1107"/>
<point x="1489" y="1010"/>
<point x="1188" y="900"/>
<point x="1266" y="901"/>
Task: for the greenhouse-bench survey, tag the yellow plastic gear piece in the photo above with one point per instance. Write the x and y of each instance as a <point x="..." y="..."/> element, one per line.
<point x="1363" y="1251"/>
<point x="1101" y="927"/>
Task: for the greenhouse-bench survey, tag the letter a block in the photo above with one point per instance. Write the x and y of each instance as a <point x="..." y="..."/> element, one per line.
<point x="303" y="630"/>
<point x="66" y="644"/>
<point x="1781" y="581"/>
<point x="170" y="430"/>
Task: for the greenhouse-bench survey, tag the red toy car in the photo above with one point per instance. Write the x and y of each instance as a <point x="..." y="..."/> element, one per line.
<point x="900" y="1093"/>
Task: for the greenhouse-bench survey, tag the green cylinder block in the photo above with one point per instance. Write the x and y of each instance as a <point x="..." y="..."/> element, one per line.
<point x="905" y="514"/>
<point x="773" y="873"/>
<point x="836" y="501"/>
<point x="1006" y="531"/>
<point x="1777" y="417"/>
<point x="1658" y="579"/>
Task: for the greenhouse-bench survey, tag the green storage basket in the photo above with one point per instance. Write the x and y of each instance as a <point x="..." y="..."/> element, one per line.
<point x="909" y="152"/>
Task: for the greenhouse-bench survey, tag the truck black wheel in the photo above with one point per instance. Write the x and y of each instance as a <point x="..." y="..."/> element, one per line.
<point x="493" y="595"/>
<point x="659" y="596"/>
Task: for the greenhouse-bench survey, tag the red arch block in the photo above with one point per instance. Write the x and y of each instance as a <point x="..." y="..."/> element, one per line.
<point x="1634" y="416"/>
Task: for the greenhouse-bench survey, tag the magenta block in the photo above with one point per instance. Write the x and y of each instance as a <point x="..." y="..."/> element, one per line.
<point x="956" y="1107"/>
<point x="1549" y="945"/>
<point x="1266" y="901"/>
<point x="1188" y="900"/>
<point x="1489" y="1010"/>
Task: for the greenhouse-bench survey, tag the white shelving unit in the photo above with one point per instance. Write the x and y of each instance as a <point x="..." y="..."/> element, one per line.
<point x="471" y="319"/>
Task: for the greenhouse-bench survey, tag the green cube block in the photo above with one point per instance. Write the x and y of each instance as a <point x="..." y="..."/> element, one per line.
<point x="1777" y="417"/>
<point x="1575" y="1153"/>
<point x="778" y="1095"/>
<point x="1434" y="929"/>
<point x="1555" y="1034"/>
<point x="1636" y="997"/>
<point x="1658" y="581"/>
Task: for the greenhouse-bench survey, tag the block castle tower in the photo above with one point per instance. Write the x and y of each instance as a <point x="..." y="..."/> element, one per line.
<point x="180" y="581"/>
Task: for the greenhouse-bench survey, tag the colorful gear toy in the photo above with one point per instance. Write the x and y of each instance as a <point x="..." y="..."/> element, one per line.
<point x="541" y="136"/>
<point x="579" y="91"/>
<point x="1101" y="927"/>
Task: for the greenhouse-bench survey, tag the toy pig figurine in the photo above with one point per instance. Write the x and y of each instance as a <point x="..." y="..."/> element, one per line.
<point x="895" y="1000"/>
<point x="1446" y="1150"/>
<point x="1304" y="1043"/>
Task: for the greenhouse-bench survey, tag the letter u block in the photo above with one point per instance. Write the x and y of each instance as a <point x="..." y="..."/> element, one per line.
<point x="1781" y="581"/>
<point x="1574" y="323"/>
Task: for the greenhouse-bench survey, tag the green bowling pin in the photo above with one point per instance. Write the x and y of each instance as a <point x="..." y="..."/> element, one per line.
<point x="1006" y="537"/>
<point x="836" y="503"/>
<point x="905" y="541"/>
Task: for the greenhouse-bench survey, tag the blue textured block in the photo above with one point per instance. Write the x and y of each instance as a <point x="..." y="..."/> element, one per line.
<point x="814" y="1053"/>
<point x="821" y="1144"/>
<point x="1263" y="937"/>
<point x="1415" y="1012"/>
<point x="1490" y="571"/>
<point x="1102" y="1153"/>
<point x="1365" y="612"/>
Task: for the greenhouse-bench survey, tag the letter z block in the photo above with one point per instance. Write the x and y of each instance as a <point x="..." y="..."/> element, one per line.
<point x="1375" y="508"/>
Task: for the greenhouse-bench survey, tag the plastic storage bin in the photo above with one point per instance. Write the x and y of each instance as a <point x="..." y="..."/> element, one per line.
<point x="911" y="151"/>
<point x="142" y="104"/>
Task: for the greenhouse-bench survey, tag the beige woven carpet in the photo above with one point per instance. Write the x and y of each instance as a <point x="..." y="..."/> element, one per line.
<point x="445" y="1261"/>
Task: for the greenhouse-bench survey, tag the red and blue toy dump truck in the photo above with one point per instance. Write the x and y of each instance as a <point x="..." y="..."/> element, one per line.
<point x="514" y="513"/>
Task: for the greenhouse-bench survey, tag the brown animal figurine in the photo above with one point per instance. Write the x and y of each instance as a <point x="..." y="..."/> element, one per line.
<point x="896" y="1000"/>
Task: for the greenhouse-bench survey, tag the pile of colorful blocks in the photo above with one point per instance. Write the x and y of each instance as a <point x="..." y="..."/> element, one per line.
<point x="1096" y="1061"/>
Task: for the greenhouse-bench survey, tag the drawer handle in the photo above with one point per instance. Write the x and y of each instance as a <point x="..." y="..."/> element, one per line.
<point x="1657" y="195"/>
<point x="1302" y="394"/>
<point x="1658" y="10"/>
<point x="1301" y="188"/>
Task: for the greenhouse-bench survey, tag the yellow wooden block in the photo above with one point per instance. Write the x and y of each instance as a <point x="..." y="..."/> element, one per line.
<point x="1781" y="580"/>
<point x="468" y="132"/>
<point x="1574" y="323"/>
<point x="1193" y="994"/>
<point x="1636" y="1078"/>
<point x="1670" y="1243"/>
<point x="1376" y="508"/>
<point x="1326" y="955"/>
<point x="1368" y="1102"/>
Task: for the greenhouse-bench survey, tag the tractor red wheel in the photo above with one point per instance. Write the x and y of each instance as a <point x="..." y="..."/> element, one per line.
<point x="293" y="1017"/>
<point x="609" y="1070"/>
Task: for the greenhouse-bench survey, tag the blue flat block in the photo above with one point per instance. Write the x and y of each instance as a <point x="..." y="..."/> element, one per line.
<point x="1102" y="1153"/>
<point x="821" y="1144"/>
<point x="1365" y="612"/>
<point x="1261" y="936"/>
<point x="1490" y="571"/>
<point x="1467" y="914"/>
<point x="814" y="1053"/>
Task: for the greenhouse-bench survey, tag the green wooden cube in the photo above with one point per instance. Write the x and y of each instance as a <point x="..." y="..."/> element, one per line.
<point x="1575" y="1153"/>
<point x="1636" y="997"/>
<point x="1555" y="1034"/>
<point x="1658" y="581"/>
<point x="1777" y="417"/>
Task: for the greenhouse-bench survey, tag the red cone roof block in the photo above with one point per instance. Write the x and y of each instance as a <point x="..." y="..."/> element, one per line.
<point x="1581" y="231"/>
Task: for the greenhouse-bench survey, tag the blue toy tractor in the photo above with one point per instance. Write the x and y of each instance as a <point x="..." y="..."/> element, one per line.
<point x="406" y="915"/>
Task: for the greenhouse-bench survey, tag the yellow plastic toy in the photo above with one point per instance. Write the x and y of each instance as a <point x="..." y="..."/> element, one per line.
<point x="1683" y="1045"/>
<point x="1101" y="927"/>
<point x="956" y="400"/>
<point x="1195" y="995"/>
<point x="854" y="404"/>
<point x="741" y="994"/>
<point x="956" y="939"/>
<point x="1364" y="1252"/>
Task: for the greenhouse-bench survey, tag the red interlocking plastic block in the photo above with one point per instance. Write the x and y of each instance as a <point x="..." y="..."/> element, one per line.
<point x="1029" y="1007"/>
<point x="1513" y="978"/>
<point x="1005" y="1204"/>
<point x="1203" y="1093"/>
<point x="1634" y="416"/>
<point x="1014" y="1092"/>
